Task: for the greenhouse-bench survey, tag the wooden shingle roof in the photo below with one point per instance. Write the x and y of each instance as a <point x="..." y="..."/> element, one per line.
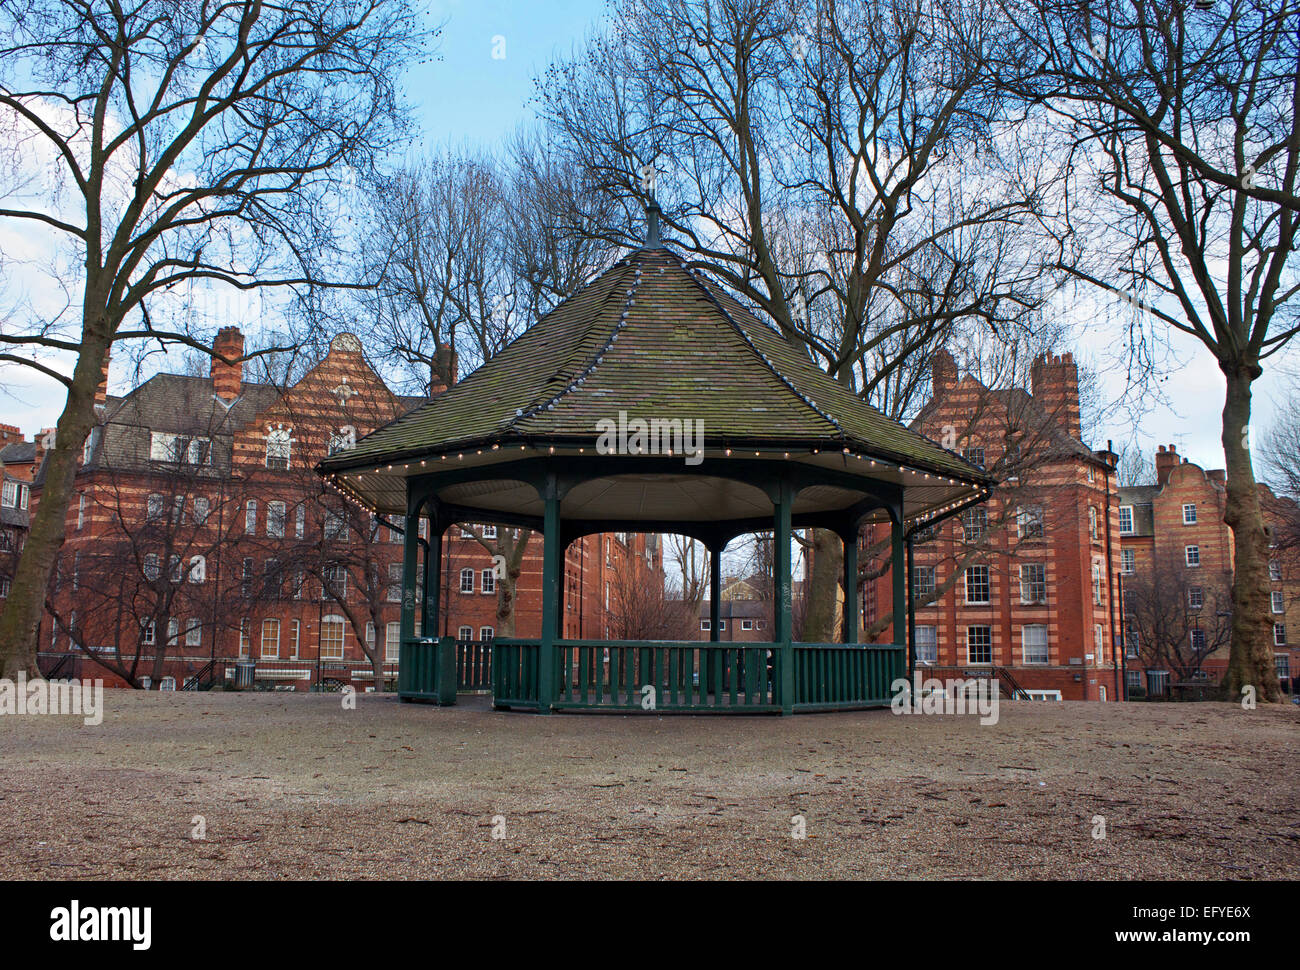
<point x="655" y="339"/>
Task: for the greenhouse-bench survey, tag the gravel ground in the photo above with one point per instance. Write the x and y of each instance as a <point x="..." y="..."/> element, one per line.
<point x="296" y="786"/>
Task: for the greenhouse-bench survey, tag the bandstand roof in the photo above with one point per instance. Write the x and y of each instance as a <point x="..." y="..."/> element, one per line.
<point x="652" y="338"/>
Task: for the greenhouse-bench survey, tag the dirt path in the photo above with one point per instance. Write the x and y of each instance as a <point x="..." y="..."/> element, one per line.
<point x="296" y="786"/>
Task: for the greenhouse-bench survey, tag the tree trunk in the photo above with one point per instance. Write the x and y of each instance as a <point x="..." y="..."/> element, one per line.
<point x="377" y="668"/>
<point x="505" y="620"/>
<point x="820" y="624"/>
<point x="1251" y="660"/>
<point x="21" y="619"/>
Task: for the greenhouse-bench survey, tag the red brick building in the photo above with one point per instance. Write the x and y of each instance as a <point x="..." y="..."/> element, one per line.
<point x="1023" y="586"/>
<point x="201" y="534"/>
<point x="1176" y="562"/>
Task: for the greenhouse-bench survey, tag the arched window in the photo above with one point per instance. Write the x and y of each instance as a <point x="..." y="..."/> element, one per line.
<point x="467" y="580"/>
<point x="200" y="509"/>
<point x="198" y="569"/>
<point x="331" y="637"/>
<point x="344" y="439"/>
<point x="279" y="441"/>
<point x="154" y="508"/>
<point x="465" y="633"/>
<point x="151" y="566"/>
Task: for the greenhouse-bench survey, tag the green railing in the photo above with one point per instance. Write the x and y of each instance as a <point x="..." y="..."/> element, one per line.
<point x="427" y="670"/>
<point x="514" y="673"/>
<point x="688" y="676"/>
<point x="656" y="675"/>
<point x="836" y="676"/>
<point x="473" y="665"/>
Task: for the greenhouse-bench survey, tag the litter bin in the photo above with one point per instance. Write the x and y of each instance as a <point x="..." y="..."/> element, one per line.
<point x="245" y="670"/>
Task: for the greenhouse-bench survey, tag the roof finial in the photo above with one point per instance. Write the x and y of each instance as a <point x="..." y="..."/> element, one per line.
<point x="652" y="214"/>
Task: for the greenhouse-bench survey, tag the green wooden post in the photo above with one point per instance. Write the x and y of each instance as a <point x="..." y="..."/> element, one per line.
<point x="850" y="538"/>
<point x="410" y="561"/>
<point x="899" y="570"/>
<point x="552" y="565"/>
<point x="911" y="615"/>
<point x="715" y="588"/>
<point x="784" y="605"/>
<point x="432" y="574"/>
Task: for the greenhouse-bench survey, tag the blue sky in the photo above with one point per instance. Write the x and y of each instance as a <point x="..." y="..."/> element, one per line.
<point x="475" y="93"/>
<point x="471" y="96"/>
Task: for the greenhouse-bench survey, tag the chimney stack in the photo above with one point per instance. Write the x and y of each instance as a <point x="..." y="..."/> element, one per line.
<point x="943" y="373"/>
<point x="442" y="370"/>
<point x="1166" y="459"/>
<point x="228" y="378"/>
<point x="1054" y="384"/>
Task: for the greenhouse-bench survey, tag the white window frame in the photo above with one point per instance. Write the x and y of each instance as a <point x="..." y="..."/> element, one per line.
<point x="274" y="653"/>
<point x="1025" y="633"/>
<point x="193" y="632"/>
<point x="392" y="641"/>
<point x="276" y="512"/>
<point x="488" y="581"/>
<point x="1127" y="562"/>
<point x="747" y="624"/>
<point x="1274" y="571"/>
<point x="1195" y="597"/>
<point x="970" y="657"/>
<point x="706" y="626"/>
<point x="987" y="584"/>
<point x="927" y="644"/>
<point x="1190" y="553"/>
<point x="1126" y="512"/>
<point x="279" y="447"/>
<point x="1027" y="596"/>
<point x="332" y="620"/>
<point x="1279" y="634"/>
<point x="464" y="633"/>
<point x="1189" y="507"/>
<point x="467" y="574"/>
<point x="486" y="633"/>
<point x="1277" y="601"/>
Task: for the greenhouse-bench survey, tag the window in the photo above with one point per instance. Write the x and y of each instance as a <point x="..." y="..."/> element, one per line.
<point x="1192" y="554"/>
<point x="1131" y="647"/>
<point x="178" y="509"/>
<point x="300" y="521"/>
<point x="465" y="633"/>
<point x="154" y="507"/>
<point x="1279" y="634"/>
<point x="1125" y="520"/>
<point x="1034" y="638"/>
<point x="295" y="629"/>
<point x="1029" y="522"/>
<point x="973" y="523"/>
<point x="747" y="624"/>
<point x="467" y="580"/>
<point x="1033" y="582"/>
<point x="706" y="626"/>
<point x="1096" y="583"/>
<point x="173" y="631"/>
<point x="331" y="638"/>
<point x="927" y="644"/>
<point x="1099" y="641"/>
<point x="173" y="569"/>
<point x="1189" y="515"/>
<point x="489" y="532"/>
<point x="979" y="645"/>
<point x="1282" y="662"/>
<point x="81" y="510"/>
<point x="344" y="439"/>
<point x="270" y="639"/>
<point x="923" y="582"/>
<point x="272" y="580"/>
<point x="246" y="578"/>
<point x="278" y="443"/>
<point x="193" y="632"/>
<point x="1276" y="599"/>
<point x="486" y="633"/>
<point x="336" y="526"/>
<point x="1195" y="597"/>
<point x="1274" y="571"/>
<point x="974" y="454"/>
<point x="336" y="580"/>
<point x="370" y="635"/>
<point x="200" y="509"/>
<point x="1198" y="640"/>
<point x="489" y="583"/>
<point x="275" y="519"/>
<point x="167" y="446"/>
<point x="15" y="495"/>
<point x="250" y="517"/>
<point x="1092" y="522"/>
<point x="977" y="584"/>
<point x="152" y="566"/>
<point x="393" y="593"/>
<point x="1133" y="678"/>
<point x="243" y="638"/>
<point x="392" y="642"/>
<point x="1127" y="561"/>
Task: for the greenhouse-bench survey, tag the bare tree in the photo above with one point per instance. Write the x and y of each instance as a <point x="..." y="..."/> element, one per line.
<point x="1186" y="156"/>
<point x="846" y="168"/>
<point x="160" y="143"/>
<point x="1176" y="623"/>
